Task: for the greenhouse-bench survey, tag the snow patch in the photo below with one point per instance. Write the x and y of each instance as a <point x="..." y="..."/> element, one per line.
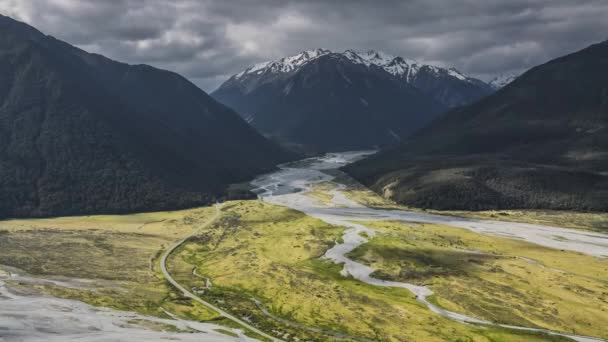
<point x="394" y="135"/>
<point x="287" y="89"/>
<point x="502" y="80"/>
<point x="249" y="118"/>
<point x="256" y="68"/>
<point x="346" y="78"/>
<point x="455" y="73"/>
<point x="284" y="65"/>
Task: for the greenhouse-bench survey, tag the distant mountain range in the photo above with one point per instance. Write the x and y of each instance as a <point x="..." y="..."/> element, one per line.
<point x="539" y="142"/>
<point x="320" y="100"/>
<point x="446" y="85"/>
<point x="82" y="134"/>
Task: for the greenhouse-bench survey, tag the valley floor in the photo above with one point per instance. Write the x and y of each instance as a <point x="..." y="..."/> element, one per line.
<point x="306" y="262"/>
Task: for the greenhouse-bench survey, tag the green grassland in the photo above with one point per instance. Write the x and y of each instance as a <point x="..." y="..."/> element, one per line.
<point x="272" y="254"/>
<point x="502" y="280"/>
<point x="321" y="193"/>
<point x="254" y="251"/>
<point x="119" y="253"/>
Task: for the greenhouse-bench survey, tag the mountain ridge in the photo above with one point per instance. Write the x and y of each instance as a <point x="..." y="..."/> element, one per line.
<point x="421" y="75"/>
<point x="82" y="134"/>
<point x="540" y="142"/>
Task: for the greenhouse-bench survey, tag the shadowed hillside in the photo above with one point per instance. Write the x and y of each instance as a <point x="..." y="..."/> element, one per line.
<point x="540" y="142"/>
<point x="80" y="133"/>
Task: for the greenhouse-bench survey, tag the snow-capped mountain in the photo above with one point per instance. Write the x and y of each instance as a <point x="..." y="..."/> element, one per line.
<point x="446" y="85"/>
<point x="283" y="65"/>
<point x="502" y="80"/>
<point x="399" y="66"/>
<point x="319" y="101"/>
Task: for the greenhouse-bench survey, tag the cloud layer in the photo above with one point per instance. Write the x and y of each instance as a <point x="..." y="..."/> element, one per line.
<point x="209" y="40"/>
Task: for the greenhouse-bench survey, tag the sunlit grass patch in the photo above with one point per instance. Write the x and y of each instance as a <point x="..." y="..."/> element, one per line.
<point x="272" y="254"/>
<point x="254" y="251"/>
<point x="501" y="280"/>
<point x="118" y="253"/>
<point x="322" y="192"/>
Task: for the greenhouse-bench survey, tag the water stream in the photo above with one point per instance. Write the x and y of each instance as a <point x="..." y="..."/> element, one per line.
<point x="289" y="185"/>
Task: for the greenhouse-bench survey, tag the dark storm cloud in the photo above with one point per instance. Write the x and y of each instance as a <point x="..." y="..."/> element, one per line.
<point x="208" y="40"/>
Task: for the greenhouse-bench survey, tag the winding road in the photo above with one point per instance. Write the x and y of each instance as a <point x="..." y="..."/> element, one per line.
<point x="186" y="293"/>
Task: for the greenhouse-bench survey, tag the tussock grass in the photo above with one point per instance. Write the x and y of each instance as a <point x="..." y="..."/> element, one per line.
<point x="119" y="253"/>
<point x="272" y="254"/>
<point x="255" y="250"/>
<point x="501" y="280"/>
<point x="321" y="192"/>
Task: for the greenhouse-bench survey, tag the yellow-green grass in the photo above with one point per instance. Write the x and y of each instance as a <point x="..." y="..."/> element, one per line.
<point x="272" y="254"/>
<point x="321" y="192"/>
<point x="502" y="280"/>
<point x="359" y="193"/>
<point x="568" y="219"/>
<point x="119" y="253"/>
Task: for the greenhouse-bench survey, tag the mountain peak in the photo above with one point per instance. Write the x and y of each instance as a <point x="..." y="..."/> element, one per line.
<point x="395" y="65"/>
<point x="10" y="25"/>
<point x="315" y="52"/>
<point x="379" y="56"/>
<point x="427" y="77"/>
<point x="285" y="64"/>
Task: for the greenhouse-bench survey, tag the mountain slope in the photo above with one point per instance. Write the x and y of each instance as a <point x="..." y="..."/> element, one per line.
<point x="320" y="101"/>
<point x="539" y="142"/>
<point x="80" y="133"/>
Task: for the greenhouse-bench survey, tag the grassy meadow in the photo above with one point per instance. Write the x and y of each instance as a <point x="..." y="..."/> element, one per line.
<point x="271" y="254"/>
<point x="117" y="254"/>
<point x="254" y="252"/>
<point x="501" y="280"/>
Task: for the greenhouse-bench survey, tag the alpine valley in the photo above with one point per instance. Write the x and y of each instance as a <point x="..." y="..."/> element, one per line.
<point x="350" y="196"/>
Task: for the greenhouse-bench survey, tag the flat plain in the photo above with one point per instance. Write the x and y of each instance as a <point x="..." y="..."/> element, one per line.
<point x="265" y="264"/>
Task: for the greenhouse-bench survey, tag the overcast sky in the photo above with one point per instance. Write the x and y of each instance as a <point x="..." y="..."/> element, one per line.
<point x="209" y="40"/>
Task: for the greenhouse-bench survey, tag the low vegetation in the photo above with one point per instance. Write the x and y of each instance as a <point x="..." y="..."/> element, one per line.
<point x="255" y="251"/>
<point x="502" y="280"/>
<point x="321" y="192"/>
<point x="117" y="255"/>
<point x="272" y="254"/>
